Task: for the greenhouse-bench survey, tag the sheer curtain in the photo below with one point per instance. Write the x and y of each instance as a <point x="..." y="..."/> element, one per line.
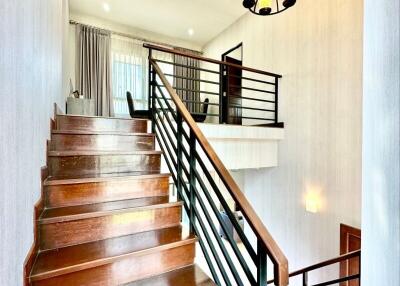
<point x="129" y="73"/>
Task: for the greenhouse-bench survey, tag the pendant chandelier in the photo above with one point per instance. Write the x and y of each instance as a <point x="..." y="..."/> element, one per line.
<point x="268" y="7"/>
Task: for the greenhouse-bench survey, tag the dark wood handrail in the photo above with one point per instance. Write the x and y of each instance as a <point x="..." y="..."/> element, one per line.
<point x="322" y="264"/>
<point x="274" y="252"/>
<point x="200" y="58"/>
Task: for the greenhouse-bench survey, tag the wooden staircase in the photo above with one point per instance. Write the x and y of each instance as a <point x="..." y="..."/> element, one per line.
<point x="108" y="218"/>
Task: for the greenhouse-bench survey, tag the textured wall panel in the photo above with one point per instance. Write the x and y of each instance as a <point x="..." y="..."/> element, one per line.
<point x="31" y="49"/>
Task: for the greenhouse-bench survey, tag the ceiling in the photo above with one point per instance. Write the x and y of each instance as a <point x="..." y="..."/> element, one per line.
<point x="171" y="18"/>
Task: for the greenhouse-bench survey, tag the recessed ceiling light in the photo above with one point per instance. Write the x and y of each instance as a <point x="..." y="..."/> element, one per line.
<point x="106" y="7"/>
<point x="191" y="32"/>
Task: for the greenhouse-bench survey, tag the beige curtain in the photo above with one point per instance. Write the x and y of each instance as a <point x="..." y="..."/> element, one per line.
<point x="93" y="67"/>
<point x="186" y="81"/>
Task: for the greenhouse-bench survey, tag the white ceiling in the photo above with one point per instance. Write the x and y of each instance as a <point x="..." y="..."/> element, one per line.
<point x="171" y="18"/>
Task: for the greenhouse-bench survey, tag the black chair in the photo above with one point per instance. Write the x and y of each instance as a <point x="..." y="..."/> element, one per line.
<point x="202" y="117"/>
<point x="135" y="113"/>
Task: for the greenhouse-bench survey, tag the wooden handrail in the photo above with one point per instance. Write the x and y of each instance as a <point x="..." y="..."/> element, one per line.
<point x="200" y="58"/>
<point x="328" y="262"/>
<point x="274" y="252"/>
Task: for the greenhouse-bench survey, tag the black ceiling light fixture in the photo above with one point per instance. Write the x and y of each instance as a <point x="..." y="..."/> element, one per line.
<point x="268" y="7"/>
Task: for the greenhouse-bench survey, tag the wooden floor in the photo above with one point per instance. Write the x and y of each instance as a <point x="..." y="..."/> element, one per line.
<point x="108" y="218"/>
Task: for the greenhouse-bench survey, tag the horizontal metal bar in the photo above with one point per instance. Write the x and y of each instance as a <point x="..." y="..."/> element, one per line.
<point x="253" y="89"/>
<point x="251" y="79"/>
<point x="323" y="264"/>
<point x="193" y="90"/>
<point x="254" y="118"/>
<point x="195" y="101"/>
<point x="348" y="278"/>
<point x="250" y="108"/>
<point x="343" y="257"/>
<point x="250" y="98"/>
<point x="208" y="114"/>
<point x="194" y="79"/>
<point x="186" y="66"/>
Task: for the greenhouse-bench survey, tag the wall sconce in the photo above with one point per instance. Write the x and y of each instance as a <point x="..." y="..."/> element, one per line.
<point x="313" y="202"/>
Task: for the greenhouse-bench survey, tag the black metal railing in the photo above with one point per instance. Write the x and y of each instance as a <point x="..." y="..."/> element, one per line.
<point x="236" y="94"/>
<point x="304" y="273"/>
<point x="233" y="257"/>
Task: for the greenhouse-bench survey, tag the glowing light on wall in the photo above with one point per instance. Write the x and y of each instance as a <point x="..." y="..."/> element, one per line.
<point x="312" y="203"/>
<point x="313" y="199"/>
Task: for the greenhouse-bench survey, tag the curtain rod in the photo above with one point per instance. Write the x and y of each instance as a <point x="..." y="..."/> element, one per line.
<point x="72" y="22"/>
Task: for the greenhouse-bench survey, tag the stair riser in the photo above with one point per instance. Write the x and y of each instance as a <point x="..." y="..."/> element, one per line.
<point x="128" y="269"/>
<point x="89" y="193"/>
<point x="102" y="164"/>
<point x="100" y="124"/>
<point x="60" y="234"/>
<point x="93" y="142"/>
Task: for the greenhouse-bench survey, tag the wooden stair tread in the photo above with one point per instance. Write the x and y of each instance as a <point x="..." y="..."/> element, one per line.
<point x="102" y="117"/>
<point x="60" y="261"/>
<point x="187" y="276"/>
<point x="100" y="153"/>
<point x="102" y="177"/>
<point x="63" y="214"/>
<point x="94" y="132"/>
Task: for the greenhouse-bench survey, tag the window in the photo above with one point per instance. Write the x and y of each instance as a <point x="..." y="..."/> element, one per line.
<point x="130" y="73"/>
<point x="128" y="77"/>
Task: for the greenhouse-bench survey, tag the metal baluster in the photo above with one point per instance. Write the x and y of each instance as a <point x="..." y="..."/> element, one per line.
<point x="179" y="154"/>
<point x="149" y="80"/>
<point x="153" y="99"/>
<point x="192" y="179"/>
<point x="262" y="264"/>
<point x="276" y="99"/>
<point x="221" y="91"/>
<point x="305" y="279"/>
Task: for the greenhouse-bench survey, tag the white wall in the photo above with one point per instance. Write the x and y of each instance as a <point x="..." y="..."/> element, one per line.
<point x="317" y="47"/>
<point x="381" y="144"/>
<point x="31" y="51"/>
<point x="66" y="48"/>
<point x="132" y="31"/>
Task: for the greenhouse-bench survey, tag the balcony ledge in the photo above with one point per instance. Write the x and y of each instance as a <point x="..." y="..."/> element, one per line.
<point x="244" y="147"/>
